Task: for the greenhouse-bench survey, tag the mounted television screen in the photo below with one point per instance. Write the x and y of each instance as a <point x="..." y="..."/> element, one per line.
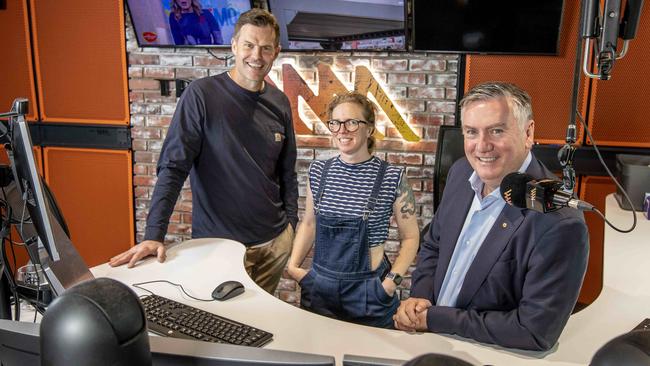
<point x="185" y="23"/>
<point x="340" y="24"/>
<point x="480" y="26"/>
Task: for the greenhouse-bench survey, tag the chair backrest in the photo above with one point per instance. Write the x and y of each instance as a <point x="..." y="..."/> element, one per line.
<point x="450" y="149"/>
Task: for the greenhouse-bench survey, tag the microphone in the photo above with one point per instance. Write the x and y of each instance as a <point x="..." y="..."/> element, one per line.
<point x="545" y="195"/>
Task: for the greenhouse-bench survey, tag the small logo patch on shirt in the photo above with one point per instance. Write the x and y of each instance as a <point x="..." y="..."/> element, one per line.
<point x="278" y="137"/>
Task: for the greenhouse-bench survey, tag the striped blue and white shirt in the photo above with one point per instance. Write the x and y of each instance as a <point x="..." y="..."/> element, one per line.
<point x="348" y="188"/>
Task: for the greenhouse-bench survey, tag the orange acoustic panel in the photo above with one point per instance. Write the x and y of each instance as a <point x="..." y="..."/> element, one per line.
<point x="16" y="68"/>
<point x="620" y="106"/>
<point x="94" y="191"/>
<point x="548" y="79"/>
<point x="594" y="190"/>
<point x="38" y="157"/>
<point x="81" y="61"/>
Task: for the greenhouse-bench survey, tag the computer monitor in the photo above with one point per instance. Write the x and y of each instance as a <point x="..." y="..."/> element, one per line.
<point x="173" y="351"/>
<point x="47" y="242"/>
<point x="355" y="360"/>
<point x="20" y="346"/>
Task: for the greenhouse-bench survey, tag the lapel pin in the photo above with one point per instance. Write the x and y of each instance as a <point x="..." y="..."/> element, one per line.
<point x="504" y="225"/>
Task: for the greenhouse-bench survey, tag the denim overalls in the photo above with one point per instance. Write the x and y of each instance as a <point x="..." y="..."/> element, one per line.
<point x="340" y="283"/>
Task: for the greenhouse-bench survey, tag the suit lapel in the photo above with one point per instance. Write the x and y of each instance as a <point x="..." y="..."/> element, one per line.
<point x="454" y="224"/>
<point x="494" y="243"/>
<point x="490" y="251"/>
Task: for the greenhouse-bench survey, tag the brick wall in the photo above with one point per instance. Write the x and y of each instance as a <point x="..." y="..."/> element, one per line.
<point x="422" y="85"/>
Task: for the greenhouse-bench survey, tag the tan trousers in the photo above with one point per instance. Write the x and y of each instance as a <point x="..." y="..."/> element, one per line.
<point x="265" y="264"/>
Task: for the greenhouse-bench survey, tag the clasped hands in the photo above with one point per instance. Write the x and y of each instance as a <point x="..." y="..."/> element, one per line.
<point x="411" y="315"/>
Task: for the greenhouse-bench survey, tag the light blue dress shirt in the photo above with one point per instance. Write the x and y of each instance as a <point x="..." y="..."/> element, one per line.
<point x="478" y="223"/>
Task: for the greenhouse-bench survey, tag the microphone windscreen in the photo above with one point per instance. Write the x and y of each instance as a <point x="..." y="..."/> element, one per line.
<point x="513" y="189"/>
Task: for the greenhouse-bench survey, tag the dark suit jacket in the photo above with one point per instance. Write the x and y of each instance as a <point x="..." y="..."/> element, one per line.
<point x="525" y="278"/>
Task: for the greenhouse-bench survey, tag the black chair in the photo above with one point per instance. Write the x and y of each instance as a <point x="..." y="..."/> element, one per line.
<point x="450" y="149"/>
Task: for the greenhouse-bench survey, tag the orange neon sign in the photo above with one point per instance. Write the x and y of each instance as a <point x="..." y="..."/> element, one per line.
<point x="328" y="85"/>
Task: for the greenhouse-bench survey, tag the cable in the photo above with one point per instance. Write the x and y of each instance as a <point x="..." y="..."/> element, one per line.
<point x="610" y="224"/>
<point x="22" y="217"/>
<point x="8" y="223"/>
<point x="225" y="58"/>
<point x="602" y="161"/>
<point x="13" y="252"/>
<point x="38" y="290"/>
<point x="142" y="288"/>
<point x="138" y="285"/>
<point x="10" y="275"/>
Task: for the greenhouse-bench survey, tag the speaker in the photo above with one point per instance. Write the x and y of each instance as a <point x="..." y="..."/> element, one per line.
<point x="81" y="61"/>
<point x="94" y="190"/>
<point x="629" y="349"/>
<point x="16" y="68"/>
<point x="97" y="322"/>
<point x="548" y="79"/>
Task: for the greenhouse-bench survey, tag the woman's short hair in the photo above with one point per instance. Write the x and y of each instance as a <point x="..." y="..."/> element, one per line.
<point x="367" y="106"/>
<point x="259" y="18"/>
<point x="517" y="98"/>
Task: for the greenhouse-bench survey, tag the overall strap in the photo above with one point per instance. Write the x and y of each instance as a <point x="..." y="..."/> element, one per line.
<point x="372" y="200"/>
<point x="321" y="184"/>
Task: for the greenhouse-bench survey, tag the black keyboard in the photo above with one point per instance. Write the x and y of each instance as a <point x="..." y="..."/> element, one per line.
<point x="173" y="319"/>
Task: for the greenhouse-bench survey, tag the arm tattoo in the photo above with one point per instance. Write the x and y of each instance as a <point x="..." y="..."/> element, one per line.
<point x="407" y="198"/>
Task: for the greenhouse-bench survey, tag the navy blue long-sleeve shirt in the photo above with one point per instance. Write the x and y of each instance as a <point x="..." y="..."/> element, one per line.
<point x="239" y="149"/>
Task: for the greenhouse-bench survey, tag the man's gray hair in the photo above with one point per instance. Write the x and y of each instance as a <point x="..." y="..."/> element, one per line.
<point x="517" y="98"/>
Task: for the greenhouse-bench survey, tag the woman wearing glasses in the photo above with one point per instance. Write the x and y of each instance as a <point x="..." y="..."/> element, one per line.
<point x="350" y="199"/>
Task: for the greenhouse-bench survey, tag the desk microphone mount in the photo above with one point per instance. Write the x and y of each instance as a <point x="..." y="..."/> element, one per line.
<point x="604" y="29"/>
<point x="565" y="156"/>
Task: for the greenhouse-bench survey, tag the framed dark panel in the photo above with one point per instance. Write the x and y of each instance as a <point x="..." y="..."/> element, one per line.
<point x="491" y="27"/>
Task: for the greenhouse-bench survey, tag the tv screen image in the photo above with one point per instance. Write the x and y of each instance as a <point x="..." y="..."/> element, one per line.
<point x="185" y="23"/>
<point x="340" y="24"/>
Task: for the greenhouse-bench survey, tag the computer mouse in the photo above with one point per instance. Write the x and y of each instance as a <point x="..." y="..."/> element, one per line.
<point x="227" y="290"/>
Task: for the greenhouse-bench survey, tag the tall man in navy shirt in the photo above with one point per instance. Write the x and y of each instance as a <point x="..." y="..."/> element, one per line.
<point x="233" y="134"/>
<point x="490" y="271"/>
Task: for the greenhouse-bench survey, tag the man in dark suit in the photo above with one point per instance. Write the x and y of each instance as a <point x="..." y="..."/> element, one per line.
<point x="487" y="270"/>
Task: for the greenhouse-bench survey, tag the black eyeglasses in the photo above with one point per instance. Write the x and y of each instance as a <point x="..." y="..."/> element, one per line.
<point x="351" y="125"/>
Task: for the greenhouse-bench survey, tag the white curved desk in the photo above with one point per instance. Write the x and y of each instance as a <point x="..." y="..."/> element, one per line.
<point x="200" y="265"/>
